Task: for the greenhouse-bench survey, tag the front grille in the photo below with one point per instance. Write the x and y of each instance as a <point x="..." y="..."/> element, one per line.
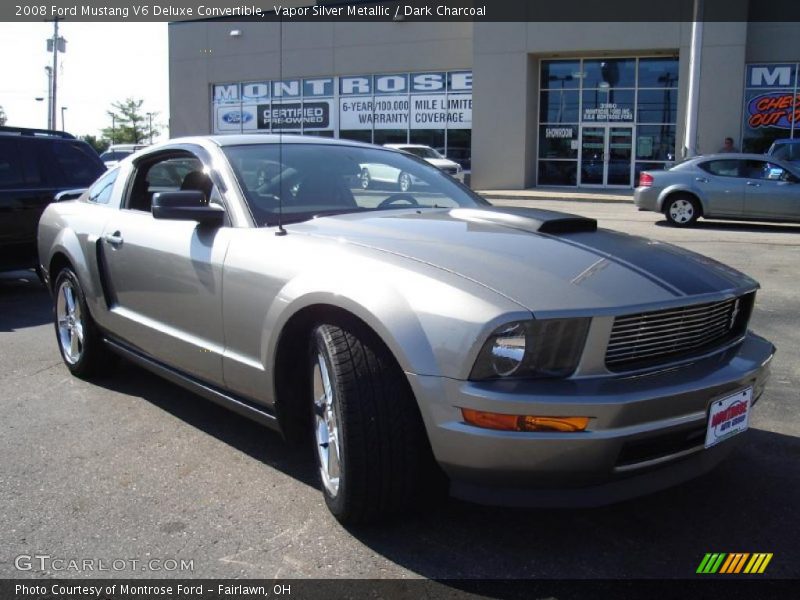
<point x="450" y="170"/>
<point x="650" y="338"/>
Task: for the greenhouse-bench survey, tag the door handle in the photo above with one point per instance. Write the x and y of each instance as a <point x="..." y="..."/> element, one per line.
<point x="701" y="179"/>
<point x="115" y="239"/>
<point x="753" y="184"/>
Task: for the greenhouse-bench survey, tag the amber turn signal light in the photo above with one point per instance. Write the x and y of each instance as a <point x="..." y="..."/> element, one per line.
<point x="502" y="422"/>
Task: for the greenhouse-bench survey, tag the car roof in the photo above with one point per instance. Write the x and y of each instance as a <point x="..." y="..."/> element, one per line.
<point x="787" y="141"/>
<point x="406" y="146"/>
<point x="733" y="156"/>
<point x="268" y="138"/>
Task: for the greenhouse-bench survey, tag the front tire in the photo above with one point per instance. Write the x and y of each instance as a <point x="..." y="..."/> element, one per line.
<point x="370" y="443"/>
<point x="682" y="210"/>
<point x="79" y="340"/>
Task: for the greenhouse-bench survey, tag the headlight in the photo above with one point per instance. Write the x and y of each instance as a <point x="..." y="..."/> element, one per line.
<point x="538" y="348"/>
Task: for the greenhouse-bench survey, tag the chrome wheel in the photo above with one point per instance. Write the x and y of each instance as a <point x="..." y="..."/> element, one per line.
<point x="326" y="430"/>
<point x="69" y="318"/>
<point x="681" y="211"/>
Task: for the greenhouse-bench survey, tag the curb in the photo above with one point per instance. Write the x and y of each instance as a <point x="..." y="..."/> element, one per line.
<point x="581" y="199"/>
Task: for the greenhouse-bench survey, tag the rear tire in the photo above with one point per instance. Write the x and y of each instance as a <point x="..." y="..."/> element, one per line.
<point x="682" y="210"/>
<point x="79" y="340"/>
<point x="371" y="449"/>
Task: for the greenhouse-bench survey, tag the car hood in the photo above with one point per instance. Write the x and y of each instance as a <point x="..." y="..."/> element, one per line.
<point x="548" y="262"/>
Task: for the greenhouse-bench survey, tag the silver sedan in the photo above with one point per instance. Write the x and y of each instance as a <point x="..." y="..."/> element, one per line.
<point x="415" y="340"/>
<point x="722" y="186"/>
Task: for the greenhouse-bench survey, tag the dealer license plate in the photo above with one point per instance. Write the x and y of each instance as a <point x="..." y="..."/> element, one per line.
<point x="728" y="416"/>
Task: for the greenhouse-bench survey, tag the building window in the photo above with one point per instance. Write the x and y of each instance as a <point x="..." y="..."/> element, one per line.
<point x="771" y="101"/>
<point x="559" y="106"/>
<point x="604" y="120"/>
<point x="390" y="136"/>
<point x="357" y="135"/>
<point x="435" y="138"/>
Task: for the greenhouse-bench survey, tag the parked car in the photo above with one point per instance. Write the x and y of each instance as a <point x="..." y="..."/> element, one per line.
<point x="118" y="152"/>
<point x="787" y="150"/>
<point x="722" y="186"/>
<point x="462" y="156"/>
<point x="431" y="156"/>
<point x="35" y="166"/>
<point x="412" y="338"/>
<point x="373" y="175"/>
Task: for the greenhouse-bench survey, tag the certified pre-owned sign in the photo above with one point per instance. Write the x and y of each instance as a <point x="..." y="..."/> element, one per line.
<point x="290" y="115"/>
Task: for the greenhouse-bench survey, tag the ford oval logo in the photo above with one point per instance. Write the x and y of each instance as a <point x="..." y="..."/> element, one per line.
<point x="237" y="116"/>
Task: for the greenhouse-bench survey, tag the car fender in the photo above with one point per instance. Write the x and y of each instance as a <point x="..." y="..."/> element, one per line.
<point x="56" y="236"/>
<point x="433" y="322"/>
<point x="67" y="243"/>
<point x="681" y="187"/>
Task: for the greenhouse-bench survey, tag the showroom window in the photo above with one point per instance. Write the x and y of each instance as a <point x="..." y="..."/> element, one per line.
<point x="603" y="120"/>
<point x="771" y="101"/>
<point x="431" y="107"/>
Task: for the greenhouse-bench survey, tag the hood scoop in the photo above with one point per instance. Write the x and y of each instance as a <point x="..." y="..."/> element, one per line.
<point x="533" y="220"/>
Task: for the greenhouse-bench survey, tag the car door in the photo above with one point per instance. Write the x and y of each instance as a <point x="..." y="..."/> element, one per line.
<point x="771" y="192"/>
<point x="721" y="186"/>
<point x="165" y="276"/>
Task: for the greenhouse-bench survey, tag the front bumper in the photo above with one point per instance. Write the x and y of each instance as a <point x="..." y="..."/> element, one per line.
<point x="645" y="432"/>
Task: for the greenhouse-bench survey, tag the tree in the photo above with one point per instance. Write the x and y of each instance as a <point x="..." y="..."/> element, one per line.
<point x="100" y="145"/>
<point x="129" y="124"/>
<point x="3" y="117"/>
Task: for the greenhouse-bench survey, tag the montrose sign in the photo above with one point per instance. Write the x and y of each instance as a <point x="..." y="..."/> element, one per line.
<point x="431" y="100"/>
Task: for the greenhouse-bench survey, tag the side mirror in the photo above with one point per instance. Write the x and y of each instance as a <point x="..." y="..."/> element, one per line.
<point x="187" y="205"/>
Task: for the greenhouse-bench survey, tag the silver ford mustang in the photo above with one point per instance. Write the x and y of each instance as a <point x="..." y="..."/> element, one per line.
<point x="521" y="356"/>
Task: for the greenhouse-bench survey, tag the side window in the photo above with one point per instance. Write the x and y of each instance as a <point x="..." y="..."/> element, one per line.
<point x="100" y="192"/>
<point x="761" y="169"/>
<point x="10" y="164"/>
<point x="31" y="162"/>
<point x="723" y="168"/>
<point x="78" y="167"/>
<point x="169" y="174"/>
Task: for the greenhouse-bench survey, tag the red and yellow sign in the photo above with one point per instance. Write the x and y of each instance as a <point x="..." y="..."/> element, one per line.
<point x="775" y="109"/>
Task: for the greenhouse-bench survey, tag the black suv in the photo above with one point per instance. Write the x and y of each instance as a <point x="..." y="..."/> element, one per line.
<point x="35" y="165"/>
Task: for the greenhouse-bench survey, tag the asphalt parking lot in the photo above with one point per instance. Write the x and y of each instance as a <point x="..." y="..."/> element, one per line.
<point x="132" y="467"/>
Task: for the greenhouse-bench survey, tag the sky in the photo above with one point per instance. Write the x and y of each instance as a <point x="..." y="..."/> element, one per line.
<point x="104" y="63"/>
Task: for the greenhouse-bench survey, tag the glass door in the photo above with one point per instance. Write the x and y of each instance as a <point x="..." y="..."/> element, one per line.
<point x="619" y="153"/>
<point x="593" y="153"/>
<point x="606" y="155"/>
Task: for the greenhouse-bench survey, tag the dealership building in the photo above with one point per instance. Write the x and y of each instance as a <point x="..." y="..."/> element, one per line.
<point x="520" y="104"/>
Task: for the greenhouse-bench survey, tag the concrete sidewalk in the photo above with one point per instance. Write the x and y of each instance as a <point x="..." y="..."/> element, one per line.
<point x="560" y="193"/>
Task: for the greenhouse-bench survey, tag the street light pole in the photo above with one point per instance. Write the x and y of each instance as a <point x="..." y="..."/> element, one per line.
<point x="41" y="99"/>
<point x="55" y="73"/>
<point x="50" y="111"/>
<point x="63" y="125"/>
<point x="150" y="126"/>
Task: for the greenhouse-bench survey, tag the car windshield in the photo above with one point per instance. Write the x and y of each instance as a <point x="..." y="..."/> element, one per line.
<point x="422" y="152"/>
<point x="307" y="180"/>
<point x="115" y="154"/>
